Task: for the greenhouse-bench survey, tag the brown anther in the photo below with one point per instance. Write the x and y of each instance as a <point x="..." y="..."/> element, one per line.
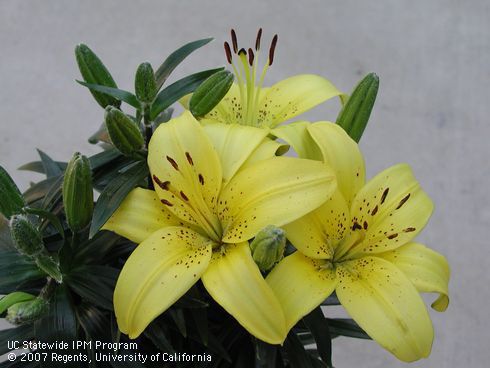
<point x="242" y="52"/>
<point x="228" y="52"/>
<point x="272" y="49"/>
<point x="234" y="40"/>
<point x="251" y="57"/>
<point x="257" y="40"/>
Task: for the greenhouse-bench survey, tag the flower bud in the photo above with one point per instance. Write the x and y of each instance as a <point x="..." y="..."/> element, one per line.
<point x="124" y="133"/>
<point x="25" y="236"/>
<point x="27" y="312"/>
<point x="52" y="268"/>
<point x="13" y="298"/>
<point x="210" y="93"/>
<point x="145" y="85"/>
<point x="94" y="72"/>
<point x="78" y="196"/>
<point x="11" y="200"/>
<point x="268" y="247"/>
<point x="354" y="116"/>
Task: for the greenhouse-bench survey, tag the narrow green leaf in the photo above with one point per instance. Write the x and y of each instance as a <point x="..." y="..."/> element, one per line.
<point x="21" y="333"/>
<point x="16" y="269"/>
<point x="102" y="158"/>
<point x="55" y="221"/>
<point x="178" y="90"/>
<point x="51" y="168"/>
<point x="5" y="238"/>
<point x="175" y="58"/>
<point x="37" y="166"/>
<point x="179" y="319"/>
<point x="53" y="195"/>
<point x="11" y="200"/>
<point x="117" y="93"/>
<point x="13" y="298"/>
<point x="39" y="190"/>
<point x="318" y="325"/>
<point x="265" y="354"/>
<point x="346" y="327"/>
<point x="296" y="353"/>
<point x="157" y="333"/>
<point x="114" y="194"/>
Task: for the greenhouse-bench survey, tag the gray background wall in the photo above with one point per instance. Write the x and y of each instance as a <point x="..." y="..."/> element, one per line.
<point x="432" y="57"/>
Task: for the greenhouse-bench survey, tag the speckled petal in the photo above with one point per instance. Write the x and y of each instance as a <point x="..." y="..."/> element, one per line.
<point x="268" y="148"/>
<point x="297" y="135"/>
<point x="317" y="233"/>
<point x="301" y="284"/>
<point x="293" y="96"/>
<point x="234" y="144"/>
<point x="381" y="299"/>
<point x="427" y="269"/>
<point x="158" y="272"/>
<point x="341" y="153"/>
<point x="186" y="171"/>
<point x="391" y="209"/>
<point x="272" y="192"/>
<point x="235" y="282"/>
<point x="140" y="215"/>
<point x="229" y="110"/>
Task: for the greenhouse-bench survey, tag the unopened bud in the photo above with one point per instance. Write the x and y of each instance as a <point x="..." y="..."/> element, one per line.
<point x="268" y="247"/>
<point x="124" y="133"/>
<point x="13" y="298"/>
<point x="78" y="196"/>
<point x="210" y="93"/>
<point x="11" y="200"/>
<point x="26" y="238"/>
<point x="27" y="312"/>
<point x="145" y="85"/>
<point x="94" y="72"/>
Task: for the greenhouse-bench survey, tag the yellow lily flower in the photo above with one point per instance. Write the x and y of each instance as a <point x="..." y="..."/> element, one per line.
<point x="215" y="188"/>
<point x="248" y="103"/>
<point x="360" y="245"/>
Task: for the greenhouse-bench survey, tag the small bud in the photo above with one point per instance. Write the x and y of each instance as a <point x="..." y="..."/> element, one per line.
<point x="27" y="312"/>
<point x="25" y="236"/>
<point x="94" y="72"/>
<point x="354" y="116"/>
<point x="145" y="84"/>
<point x="13" y="298"/>
<point x="11" y="200"/>
<point x="210" y="93"/>
<point x="50" y="267"/>
<point x="78" y="196"/>
<point x="124" y="133"/>
<point x="268" y="247"/>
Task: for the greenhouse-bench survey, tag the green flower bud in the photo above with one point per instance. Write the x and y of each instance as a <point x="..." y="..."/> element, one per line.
<point x="145" y="84"/>
<point x="25" y="236"/>
<point x="78" y="196"/>
<point x="11" y="200"/>
<point x="13" y="298"/>
<point x="124" y="133"/>
<point x="268" y="247"/>
<point x="354" y="116"/>
<point x="210" y="93"/>
<point x="27" y="312"/>
<point x="49" y="266"/>
<point x="94" y="71"/>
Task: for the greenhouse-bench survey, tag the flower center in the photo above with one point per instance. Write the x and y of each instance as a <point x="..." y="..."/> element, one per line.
<point x="245" y="65"/>
<point x="349" y="242"/>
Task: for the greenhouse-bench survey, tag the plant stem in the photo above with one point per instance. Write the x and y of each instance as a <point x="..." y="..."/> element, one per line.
<point x="148" y="134"/>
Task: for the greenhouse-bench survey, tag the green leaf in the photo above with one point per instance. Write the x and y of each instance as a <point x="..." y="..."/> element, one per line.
<point x="117" y="93"/>
<point x="179" y="319"/>
<point x="55" y="221"/>
<point x="95" y="323"/>
<point x="265" y="354"/>
<point x="178" y="90"/>
<point x="51" y="168"/>
<point x="94" y="283"/>
<point x="11" y="200"/>
<point x="5" y="238"/>
<point x="355" y="113"/>
<point x="114" y="194"/>
<point x="210" y="93"/>
<point x="296" y="353"/>
<point x="318" y="325"/>
<point x="37" y="166"/>
<point x="346" y="327"/>
<point x="100" y="159"/>
<point x="157" y="333"/>
<point x="175" y="58"/>
<point x="16" y="269"/>
<point x="54" y="194"/>
<point x="21" y="333"/>
<point x="95" y="249"/>
<point x="39" y="190"/>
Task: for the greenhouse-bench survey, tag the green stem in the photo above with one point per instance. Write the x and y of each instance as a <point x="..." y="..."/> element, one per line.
<point x="148" y="134"/>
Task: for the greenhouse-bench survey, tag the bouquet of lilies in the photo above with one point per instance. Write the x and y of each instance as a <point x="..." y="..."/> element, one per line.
<point x="206" y="238"/>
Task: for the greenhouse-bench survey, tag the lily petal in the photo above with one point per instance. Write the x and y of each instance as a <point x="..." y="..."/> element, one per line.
<point x="234" y="144"/>
<point x="301" y="284"/>
<point x="427" y="269"/>
<point x="297" y="135"/>
<point x="140" y="215"/>
<point x="272" y="192"/>
<point x="380" y="298"/>
<point x="318" y="233"/>
<point x="341" y="153"/>
<point x="293" y="96"/>
<point x="157" y="274"/>
<point x="229" y="109"/>
<point x="268" y="148"/>
<point x="392" y="207"/>
<point x="186" y="171"/>
<point x="235" y="282"/>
